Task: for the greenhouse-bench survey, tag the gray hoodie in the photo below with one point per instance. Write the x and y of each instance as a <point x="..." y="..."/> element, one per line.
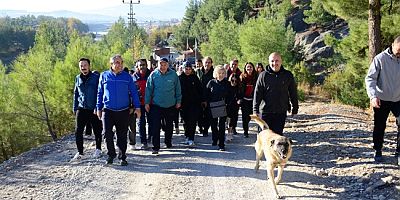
<point x="383" y="78"/>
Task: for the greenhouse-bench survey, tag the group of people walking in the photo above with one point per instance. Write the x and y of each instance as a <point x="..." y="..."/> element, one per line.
<point x="204" y="96"/>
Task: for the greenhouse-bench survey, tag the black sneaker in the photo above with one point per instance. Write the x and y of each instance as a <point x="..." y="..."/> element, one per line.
<point x="378" y="157"/>
<point x="109" y="161"/>
<point x="234" y="132"/>
<point x="124" y="163"/>
<point x="169" y="146"/>
<point x="221" y="149"/>
<point x="154" y="152"/>
<point x="246" y="135"/>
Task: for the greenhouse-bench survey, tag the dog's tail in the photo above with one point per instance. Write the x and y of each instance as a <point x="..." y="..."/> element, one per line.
<point x="259" y="121"/>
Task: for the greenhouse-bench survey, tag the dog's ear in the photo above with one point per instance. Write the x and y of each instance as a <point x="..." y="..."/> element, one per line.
<point x="272" y="142"/>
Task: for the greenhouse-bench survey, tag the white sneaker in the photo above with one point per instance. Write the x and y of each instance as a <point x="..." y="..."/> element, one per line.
<point x="76" y="158"/>
<point x="132" y="147"/>
<point x="190" y="143"/>
<point x="97" y="153"/>
<point x="144" y="146"/>
<point x="229" y="138"/>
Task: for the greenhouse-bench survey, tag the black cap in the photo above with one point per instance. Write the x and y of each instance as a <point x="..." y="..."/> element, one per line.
<point x="187" y="64"/>
<point x="163" y="60"/>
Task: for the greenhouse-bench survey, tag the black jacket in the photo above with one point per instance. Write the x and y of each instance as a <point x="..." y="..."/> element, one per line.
<point x="206" y="77"/>
<point x="218" y="90"/>
<point x="191" y="89"/>
<point x="273" y="92"/>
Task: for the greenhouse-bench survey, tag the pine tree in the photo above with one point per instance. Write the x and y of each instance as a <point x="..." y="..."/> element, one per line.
<point x="260" y="37"/>
<point x="183" y="33"/>
<point x="32" y="73"/>
<point x="223" y="44"/>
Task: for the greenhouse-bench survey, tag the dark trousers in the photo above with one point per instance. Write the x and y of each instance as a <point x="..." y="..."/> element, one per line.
<point x="142" y="125"/>
<point x="218" y="131"/>
<point x="205" y="120"/>
<point x="380" y="116"/>
<point x="176" y="119"/>
<point x="233" y="114"/>
<point x="83" y="117"/>
<point x="247" y="110"/>
<point x="132" y="128"/>
<point x="158" y="116"/>
<point x="190" y="116"/>
<point x="275" y="121"/>
<point x="119" y="119"/>
<point x="88" y="129"/>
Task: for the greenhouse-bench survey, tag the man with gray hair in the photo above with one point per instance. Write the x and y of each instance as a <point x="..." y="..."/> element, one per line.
<point x="383" y="89"/>
<point x="115" y="95"/>
<point x="162" y="99"/>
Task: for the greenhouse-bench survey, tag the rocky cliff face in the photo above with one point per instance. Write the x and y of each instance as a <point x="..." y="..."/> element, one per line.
<point x="312" y="45"/>
<point x="310" y="39"/>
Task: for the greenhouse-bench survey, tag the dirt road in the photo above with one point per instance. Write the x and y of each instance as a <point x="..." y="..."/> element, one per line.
<point x="332" y="159"/>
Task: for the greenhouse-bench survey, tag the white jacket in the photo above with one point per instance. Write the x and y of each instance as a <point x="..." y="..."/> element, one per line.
<point x="383" y="78"/>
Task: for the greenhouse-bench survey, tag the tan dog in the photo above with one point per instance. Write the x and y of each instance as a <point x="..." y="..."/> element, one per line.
<point x="276" y="148"/>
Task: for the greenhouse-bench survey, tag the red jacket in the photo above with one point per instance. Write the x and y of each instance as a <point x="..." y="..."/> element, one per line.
<point x="141" y="80"/>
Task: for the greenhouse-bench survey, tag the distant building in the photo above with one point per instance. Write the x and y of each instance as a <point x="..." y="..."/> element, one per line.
<point x="165" y="52"/>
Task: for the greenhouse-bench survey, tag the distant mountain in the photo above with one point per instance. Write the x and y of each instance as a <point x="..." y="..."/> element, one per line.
<point x="84" y="17"/>
<point x="143" y="12"/>
<point x="162" y="12"/>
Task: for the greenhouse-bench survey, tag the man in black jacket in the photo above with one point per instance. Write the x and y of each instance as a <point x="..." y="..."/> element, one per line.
<point x="275" y="88"/>
<point x="192" y="94"/>
<point x="207" y="71"/>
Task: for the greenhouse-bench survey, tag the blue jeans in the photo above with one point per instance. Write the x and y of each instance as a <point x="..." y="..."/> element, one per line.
<point x="142" y="124"/>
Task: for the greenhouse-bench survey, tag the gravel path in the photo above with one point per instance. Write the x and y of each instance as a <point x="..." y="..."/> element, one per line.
<point x="332" y="159"/>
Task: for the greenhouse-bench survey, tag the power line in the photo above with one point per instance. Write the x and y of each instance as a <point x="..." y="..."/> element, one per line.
<point x="131" y="19"/>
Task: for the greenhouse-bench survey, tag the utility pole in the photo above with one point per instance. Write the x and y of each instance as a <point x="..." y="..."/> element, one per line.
<point x="131" y="19"/>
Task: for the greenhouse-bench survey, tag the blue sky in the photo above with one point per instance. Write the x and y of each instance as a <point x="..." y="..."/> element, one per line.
<point x="162" y="8"/>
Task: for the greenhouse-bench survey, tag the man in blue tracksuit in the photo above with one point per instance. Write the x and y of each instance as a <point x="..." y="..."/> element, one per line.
<point x="162" y="99"/>
<point x="116" y="92"/>
<point x="383" y="89"/>
<point x="85" y="92"/>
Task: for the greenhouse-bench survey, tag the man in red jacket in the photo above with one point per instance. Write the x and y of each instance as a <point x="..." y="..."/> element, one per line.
<point x="141" y="75"/>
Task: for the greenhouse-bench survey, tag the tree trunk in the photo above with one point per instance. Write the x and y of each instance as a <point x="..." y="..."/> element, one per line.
<point x="46" y="117"/>
<point x="4" y="153"/>
<point x="374" y="28"/>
